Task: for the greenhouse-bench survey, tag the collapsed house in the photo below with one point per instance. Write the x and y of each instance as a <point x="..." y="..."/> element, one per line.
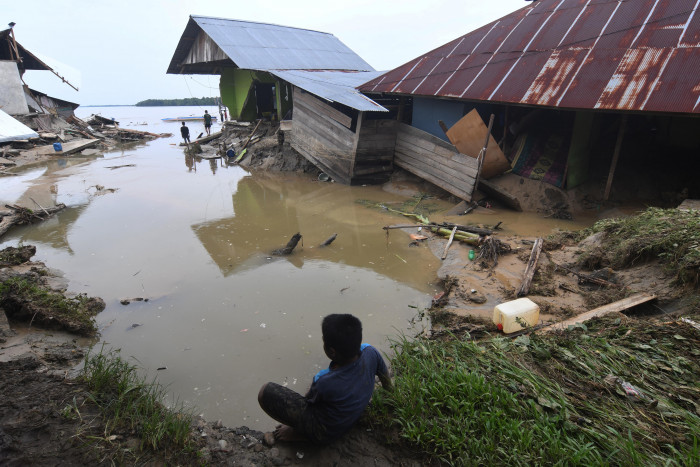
<point x="19" y="100"/>
<point x="580" y="90"/>
<point x="277" y="72"/>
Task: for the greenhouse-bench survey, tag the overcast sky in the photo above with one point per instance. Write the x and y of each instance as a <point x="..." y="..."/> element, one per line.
<point x="118" y="52"/>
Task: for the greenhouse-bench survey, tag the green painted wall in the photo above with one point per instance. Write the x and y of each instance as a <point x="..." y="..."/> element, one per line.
<point x="236" y="88"/>
<point x="579" y="150"/>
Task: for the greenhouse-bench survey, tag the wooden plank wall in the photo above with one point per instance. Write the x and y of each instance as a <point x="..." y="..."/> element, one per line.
<point x="375" y="150"/>
<point x="320" y="138"/>
<point x="435" y="160"/>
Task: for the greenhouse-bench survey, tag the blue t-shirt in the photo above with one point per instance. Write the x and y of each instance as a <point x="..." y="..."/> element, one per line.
<point x="338" y="397"/>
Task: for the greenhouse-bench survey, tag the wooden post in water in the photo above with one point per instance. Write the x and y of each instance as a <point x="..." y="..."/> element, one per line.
<point x="616" y="156"/>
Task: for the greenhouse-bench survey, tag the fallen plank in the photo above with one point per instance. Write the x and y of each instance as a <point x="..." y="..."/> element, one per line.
<point x="503" y="196"/>
<point x="68" y="148"/>
<point x="530" y="269"/>
<point x="620" y="305"/>
<point x="206" y="139"/>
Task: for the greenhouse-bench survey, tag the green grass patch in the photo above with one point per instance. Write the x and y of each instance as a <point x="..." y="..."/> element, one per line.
<point x="670" y="235"/>
<point x="546" y="400"/>
<point x="130" y="404"/>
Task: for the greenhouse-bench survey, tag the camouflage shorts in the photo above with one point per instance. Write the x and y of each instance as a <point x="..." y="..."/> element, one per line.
<point x="292" y="409"/>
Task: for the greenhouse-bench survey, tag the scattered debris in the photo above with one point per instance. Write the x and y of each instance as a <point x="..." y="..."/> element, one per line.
<point x="19" y="215"/>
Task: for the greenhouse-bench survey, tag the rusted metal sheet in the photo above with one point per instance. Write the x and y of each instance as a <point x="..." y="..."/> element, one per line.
<point x="583" y="54"/>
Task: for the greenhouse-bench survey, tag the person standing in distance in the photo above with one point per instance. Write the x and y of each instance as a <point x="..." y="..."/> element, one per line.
<point x="185" y="132"/>
<point x="207" y="122"/>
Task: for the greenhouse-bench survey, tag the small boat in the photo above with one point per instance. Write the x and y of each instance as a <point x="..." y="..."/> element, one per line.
<point x="186" y="119"/>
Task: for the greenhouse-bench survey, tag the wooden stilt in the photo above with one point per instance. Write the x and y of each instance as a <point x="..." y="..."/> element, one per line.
<point x="616" y="156"/>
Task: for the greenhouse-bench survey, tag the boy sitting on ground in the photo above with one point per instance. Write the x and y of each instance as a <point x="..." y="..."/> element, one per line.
<point x="338" y="394"/>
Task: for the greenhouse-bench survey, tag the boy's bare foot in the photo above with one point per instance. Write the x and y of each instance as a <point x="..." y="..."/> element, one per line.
<point x="269" y="438"/>
<point x="287" y="433"/>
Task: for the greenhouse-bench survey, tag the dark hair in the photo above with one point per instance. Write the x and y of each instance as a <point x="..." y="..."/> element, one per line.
<point x="343" y="333"/>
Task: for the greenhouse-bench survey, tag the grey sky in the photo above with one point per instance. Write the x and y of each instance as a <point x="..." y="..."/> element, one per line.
<point x="122" y="49"/>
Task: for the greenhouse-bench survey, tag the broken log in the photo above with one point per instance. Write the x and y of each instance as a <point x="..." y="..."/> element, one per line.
<point x="291" y="244"/>
<point x="620" y="305"/>
<point x="449" y="242"/>
<point x="22" y="215"/>
<point x="530" y="269"/>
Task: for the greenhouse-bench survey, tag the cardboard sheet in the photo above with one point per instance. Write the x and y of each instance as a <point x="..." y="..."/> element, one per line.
<point x="468" y="136"/>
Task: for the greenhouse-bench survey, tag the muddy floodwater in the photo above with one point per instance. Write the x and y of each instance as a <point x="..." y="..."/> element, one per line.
<point x="221" y="315"/>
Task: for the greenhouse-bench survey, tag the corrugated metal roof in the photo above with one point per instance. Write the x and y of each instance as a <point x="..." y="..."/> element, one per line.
<point x="13" y="130"/>
<point x="334" y="86"/>
<point x="587" y="54"/>
<point x="260" y="46"/>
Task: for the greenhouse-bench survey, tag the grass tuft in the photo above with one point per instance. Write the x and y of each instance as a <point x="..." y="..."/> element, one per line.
<point x="131" y="404"/>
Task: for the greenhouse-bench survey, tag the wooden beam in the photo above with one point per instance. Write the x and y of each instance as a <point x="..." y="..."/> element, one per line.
<point x="482" y="154"/>
<point x="530" y="269"/>
<point x="620" y="305"/>
<point x="616" y="156"/>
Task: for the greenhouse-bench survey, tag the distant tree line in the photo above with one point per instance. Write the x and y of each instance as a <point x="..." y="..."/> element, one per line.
<point x="185" y="101"/>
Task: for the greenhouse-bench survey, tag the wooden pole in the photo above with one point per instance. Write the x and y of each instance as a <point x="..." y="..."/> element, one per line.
<point x="530" y="269"/>
<point x="482" y="154"/>
<point x="616" y="156"/>
<point x="449" y="242"/>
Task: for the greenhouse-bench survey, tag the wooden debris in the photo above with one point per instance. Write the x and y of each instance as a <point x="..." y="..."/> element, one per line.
<point x="490" y="249"/>
<point x="530" y="269"/>
<point x="329" y="240"/>
<point x="617" y="306"/>
<point x="206" y="139"/>
<point x="251" y="135"/>
<point x="289" y="248"/>
<point x="449" y="242"/>
<point x="19" y="215"/>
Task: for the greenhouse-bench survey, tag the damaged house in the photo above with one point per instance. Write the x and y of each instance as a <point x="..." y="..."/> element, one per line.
<point x="277" y="72"/>
<point x="34" y="108"/>
<point x="603" y="91"/>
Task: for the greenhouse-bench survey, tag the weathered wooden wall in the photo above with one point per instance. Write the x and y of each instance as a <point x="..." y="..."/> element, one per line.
<point x="322" y="135"/>
<point x="204" y="50"/>
<point x="434" y="160"/>
<point x="374" y="154"/>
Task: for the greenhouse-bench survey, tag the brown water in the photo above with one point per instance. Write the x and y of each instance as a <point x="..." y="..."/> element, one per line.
<point x="223" y="315"/>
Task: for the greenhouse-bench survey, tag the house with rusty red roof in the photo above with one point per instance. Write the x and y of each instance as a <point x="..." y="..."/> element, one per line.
<point x="581" y="91"/>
